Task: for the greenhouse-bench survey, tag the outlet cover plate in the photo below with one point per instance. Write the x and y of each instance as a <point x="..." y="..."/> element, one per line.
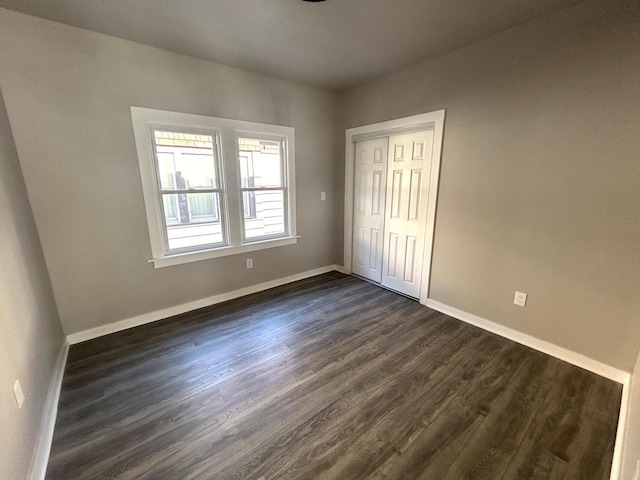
<point x="520" y="299"/>
<point x="249" y="262"/>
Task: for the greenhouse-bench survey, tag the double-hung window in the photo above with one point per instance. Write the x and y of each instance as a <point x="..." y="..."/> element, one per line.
<point x="213" y="186"/>
<point x="263" y="184"/>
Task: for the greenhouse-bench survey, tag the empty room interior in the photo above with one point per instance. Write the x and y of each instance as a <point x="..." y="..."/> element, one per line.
<point x="319" y="239"/>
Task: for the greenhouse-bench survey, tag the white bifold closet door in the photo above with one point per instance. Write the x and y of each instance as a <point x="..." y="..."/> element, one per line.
<point x="369" y="207"/>
<point x="408" y="175"/>
<point x="391" y="190"/>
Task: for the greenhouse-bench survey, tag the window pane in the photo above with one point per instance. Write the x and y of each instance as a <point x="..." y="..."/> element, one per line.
<point x="166" y="162"/>
<point x="185" y="160"/>
<point x="171" y="209"/>
<point x="192" y="219"/>
<point x="269" y="215"/>
<point x="260" y="163"/>
<point x="203" y="208"/>
<point x="249" y="204"/>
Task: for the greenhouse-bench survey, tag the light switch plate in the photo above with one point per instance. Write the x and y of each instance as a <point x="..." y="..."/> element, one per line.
<point x="323" y="196"/>
<point x="18" y="394"/>
<point x="520" y="299"/>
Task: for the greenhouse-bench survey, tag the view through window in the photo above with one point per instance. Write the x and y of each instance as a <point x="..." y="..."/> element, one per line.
<point x="190" y="189"/>
<point x="263" y="189"/>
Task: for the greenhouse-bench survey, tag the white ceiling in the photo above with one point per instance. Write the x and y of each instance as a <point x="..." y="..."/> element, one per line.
<point x="333" y="44"/>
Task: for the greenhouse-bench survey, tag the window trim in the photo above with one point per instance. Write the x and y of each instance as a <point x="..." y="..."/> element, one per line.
<point x="225" y="132"/>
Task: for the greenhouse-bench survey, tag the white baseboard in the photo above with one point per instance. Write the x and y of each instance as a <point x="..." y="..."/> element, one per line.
<point x="43" y="445"/>
<point x="341" y="269"/>
<point x="194" y="305"/>
<point x="543" y="346"/>
<point x="616" y="466"/>
<point x="569" y="356"/>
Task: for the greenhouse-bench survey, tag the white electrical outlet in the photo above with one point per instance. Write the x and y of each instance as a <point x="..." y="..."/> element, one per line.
<point x="18" y="394"/>
<point x="520" y="299"/>
<point x="323" y="196"/>
<point x="249" y="262"/>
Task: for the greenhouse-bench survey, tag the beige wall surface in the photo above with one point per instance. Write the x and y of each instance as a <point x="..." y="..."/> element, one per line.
<point x="540" y="180"/>
<point x="30" y="331"/>
<point x="68" y="94"/>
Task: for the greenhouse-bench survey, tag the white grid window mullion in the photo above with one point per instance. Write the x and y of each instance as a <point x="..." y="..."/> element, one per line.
<point x="262" y="189"/>
<point x="187" y="192"/>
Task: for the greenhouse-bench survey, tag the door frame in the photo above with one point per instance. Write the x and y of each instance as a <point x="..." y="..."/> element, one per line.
<point x="425" y="121"/>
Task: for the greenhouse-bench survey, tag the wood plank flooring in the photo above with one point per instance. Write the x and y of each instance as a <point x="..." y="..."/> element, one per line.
<point x="327" y="378"/>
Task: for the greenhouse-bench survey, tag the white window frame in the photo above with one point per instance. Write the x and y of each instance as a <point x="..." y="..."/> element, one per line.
<point x="219" y="188"/>
<point x="225" y="133"/>
<point x="284" y="180"/>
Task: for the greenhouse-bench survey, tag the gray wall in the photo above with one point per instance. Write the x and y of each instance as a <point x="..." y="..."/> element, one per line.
<point x="540" y="180"/>
<point x="30" y="332"/>
<point x="68" y="93"/>
<point x="538" y="188"/>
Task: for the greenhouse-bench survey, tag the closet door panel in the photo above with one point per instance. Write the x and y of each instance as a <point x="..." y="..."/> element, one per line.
<point x="408" y="173"/>
<point x="370" y="181"/>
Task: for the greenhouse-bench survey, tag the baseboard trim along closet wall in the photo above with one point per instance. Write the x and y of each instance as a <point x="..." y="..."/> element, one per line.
<point x="43" y="446"/>
<point x="569" y="356"/>
<point x="150" y="317"/>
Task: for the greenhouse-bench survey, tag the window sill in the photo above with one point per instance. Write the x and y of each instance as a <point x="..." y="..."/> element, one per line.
<point x="187" y="257"/>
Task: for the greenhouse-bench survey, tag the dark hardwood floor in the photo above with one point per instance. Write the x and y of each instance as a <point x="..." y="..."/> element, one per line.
<point x="328" y="378"/>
